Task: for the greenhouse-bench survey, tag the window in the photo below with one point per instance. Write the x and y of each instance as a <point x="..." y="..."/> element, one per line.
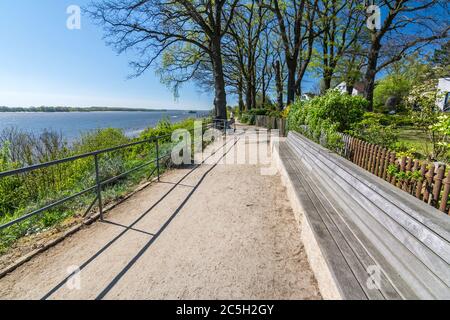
<point x="447" y="102"/>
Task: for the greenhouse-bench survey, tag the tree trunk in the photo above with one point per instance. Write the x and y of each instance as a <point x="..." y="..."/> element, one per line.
<point x="291" y="84"/>
<point x="254" y="94"/>
<point x="279" y="85"/>
<point x="220" y="99"/>
<point x="263" y="92"/>
<point x="248" y="95"/>
<point x="327" y="80"/>
<point x="240" y="96"/>
<point x="369" y="78"/>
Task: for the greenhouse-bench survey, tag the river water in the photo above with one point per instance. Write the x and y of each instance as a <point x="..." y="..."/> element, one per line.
<point x="72" y="124"/>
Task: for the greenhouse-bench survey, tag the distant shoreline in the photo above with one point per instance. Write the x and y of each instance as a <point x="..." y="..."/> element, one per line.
<point x="88" y="109"/>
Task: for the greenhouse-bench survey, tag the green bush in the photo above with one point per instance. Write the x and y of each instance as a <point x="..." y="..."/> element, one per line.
<point x="342" y="109"/>
<point x="326" y="115"/>
<point x="275" y="113"/>
<point x="373" y="130"/>
<point x="258" y="112"/>
<point x="248" y="118"/>
<point x="402" y="120"/>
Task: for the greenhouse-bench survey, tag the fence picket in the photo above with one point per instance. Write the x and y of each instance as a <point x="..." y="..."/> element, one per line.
<point x="374" y="159"/>
<point x="413" y="182"/>
<point x="420" y="184"/>
<point x="438" y="185"/>
<point x="397" y="165"/>
<point x="428" y="182"/>
<point x="401" y="183"/>
<point x="358" y="158"/>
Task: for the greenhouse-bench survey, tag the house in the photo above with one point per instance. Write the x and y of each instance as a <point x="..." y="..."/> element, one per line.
<point x="443" y="101"/>
<point x="358" y="88"/>
<point x="307" y="96"/>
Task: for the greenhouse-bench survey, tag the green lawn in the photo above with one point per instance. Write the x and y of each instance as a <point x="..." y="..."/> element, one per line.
<point x="416" y="139"/>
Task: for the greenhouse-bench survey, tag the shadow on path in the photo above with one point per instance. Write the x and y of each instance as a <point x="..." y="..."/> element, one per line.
<point x="157" y="234"/>
<point x="130" y="227"/>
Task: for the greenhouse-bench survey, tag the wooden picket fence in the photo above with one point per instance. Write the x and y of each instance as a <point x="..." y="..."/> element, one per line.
<point x="429" y="182"/>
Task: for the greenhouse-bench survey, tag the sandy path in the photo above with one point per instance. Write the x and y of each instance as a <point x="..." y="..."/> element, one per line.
<point x="223" y="232"/>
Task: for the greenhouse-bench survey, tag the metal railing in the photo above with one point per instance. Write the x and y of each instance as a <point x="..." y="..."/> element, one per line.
<point x="217" y="124"/>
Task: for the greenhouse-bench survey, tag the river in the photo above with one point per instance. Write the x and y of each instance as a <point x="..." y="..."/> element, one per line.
<point x="72" y="124"/>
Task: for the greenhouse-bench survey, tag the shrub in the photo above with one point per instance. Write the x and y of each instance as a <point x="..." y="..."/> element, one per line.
<point x="258" y="112"/>
<point x="326" y="116"/>
<point x="100" y="139"/>
<point x="342" y="109"/>
<point x="403" y="148"/>
<point x="441" y="136"/>
<point x="275" y="113"/>
<point x="248" y="118"/>
<point x="372" y="130"/>
<point x="402" y="120"/>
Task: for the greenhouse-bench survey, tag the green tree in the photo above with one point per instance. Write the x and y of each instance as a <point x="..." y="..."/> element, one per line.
<point x="402" y="77"/>
<point x="406" y="27"/>
<point x="441" y="57"/>
<point x="340" y="24"/>
<point x="187" y="33"/>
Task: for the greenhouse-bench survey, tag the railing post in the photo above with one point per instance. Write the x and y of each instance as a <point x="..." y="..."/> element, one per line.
<point x="99" y="187"/>
<point x="225" y="128"/>
<point x="157" y="157"/>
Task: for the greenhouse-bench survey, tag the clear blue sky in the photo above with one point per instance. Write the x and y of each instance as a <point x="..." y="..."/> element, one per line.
<point x="44" y="63"/>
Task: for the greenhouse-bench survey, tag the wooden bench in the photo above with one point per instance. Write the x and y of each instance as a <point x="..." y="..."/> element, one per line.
<point x="365" y="239"/>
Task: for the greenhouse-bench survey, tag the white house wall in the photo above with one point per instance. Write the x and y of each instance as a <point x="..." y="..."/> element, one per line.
<point x="443" y="87"/>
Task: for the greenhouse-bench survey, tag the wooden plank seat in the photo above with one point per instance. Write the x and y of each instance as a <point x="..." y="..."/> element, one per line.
<point x="376" y="241"/>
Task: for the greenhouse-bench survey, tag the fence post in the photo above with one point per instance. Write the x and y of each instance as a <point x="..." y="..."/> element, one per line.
<point x="369" y="156"/>
<point x="379" y="159"/>
<point x="423" y="169"/>
<point x="413" y="182"/>
<point x="407" y="183"/>
<point x="391" y="163"/>
<point x="445" y="193"/>
<point x="99" y="187"/>
<point x="438" y="185"/>
<point x="351" y="149"/>
<point x="400" y="183"/>
<point x="225" y="129"/>
<point x="375" y="159"/>
<point x="359" y="152"/>
<point x="157" y="157"/>
<point x="363" y="155"/>
<point x="381" y="168"/>
<point x="428" y="183"/>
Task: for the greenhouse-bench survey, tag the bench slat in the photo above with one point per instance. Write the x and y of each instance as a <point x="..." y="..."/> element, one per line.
<point x="348" y="284"/>
<point x="381" y="210"/>
<point x="358" y="214"/>
<point x="349" y="240"/>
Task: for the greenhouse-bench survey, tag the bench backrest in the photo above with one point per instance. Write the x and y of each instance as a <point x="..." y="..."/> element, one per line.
<point x="408" y="237"/>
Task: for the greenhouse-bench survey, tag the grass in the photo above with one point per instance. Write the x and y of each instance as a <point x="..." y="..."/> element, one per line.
<point x="417" y="139"/>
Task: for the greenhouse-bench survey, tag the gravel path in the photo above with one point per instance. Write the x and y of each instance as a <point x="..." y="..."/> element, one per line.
<point x="206" y="232"/>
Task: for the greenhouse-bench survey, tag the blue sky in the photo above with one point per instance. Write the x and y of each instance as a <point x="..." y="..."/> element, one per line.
<point x="44" y="63"/>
